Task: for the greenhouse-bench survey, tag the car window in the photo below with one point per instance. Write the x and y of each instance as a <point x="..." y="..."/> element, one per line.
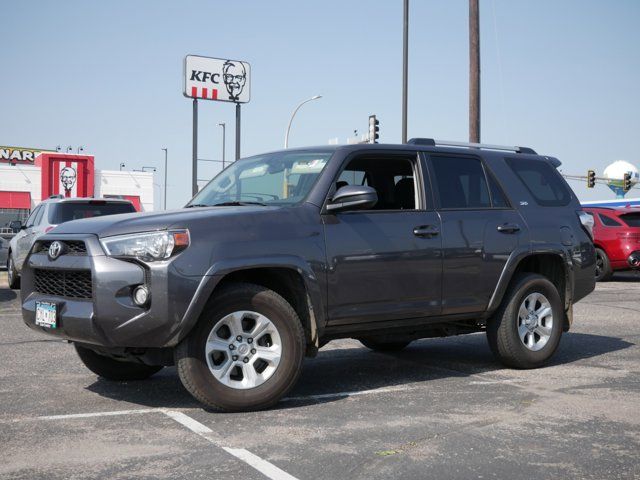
<point x="498" y="198"/>
<point x="461" y="182"/>
<point x="631" y="219"/>
<point x="64" y="212"/>
<point x="608" y="221"/>
<point x="32" y="217"/>
<point x="542" y="180"/>
<point x="392" y="176"/>
<point x="38" y="218"/>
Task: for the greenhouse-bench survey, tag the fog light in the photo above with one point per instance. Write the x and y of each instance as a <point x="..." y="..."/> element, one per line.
<point x="141" y="295"/>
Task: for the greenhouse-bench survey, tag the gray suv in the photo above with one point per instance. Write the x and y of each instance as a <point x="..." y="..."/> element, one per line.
<point x="283" y="252"/>
<point x="46" y="216"/>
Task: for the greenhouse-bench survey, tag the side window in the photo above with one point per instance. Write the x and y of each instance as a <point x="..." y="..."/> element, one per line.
<point x="498" y="198"/>
<point x="38" y="219"/>
<point x="392" y="177"/>
<point x="608" y="221"/>
<point x="542" y="180"/>
<point x="32" y="218"/>
<point x="461" y="182"/>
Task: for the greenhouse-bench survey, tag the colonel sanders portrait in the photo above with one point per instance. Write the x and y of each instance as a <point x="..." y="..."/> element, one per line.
<point x="235" y="77"/>
<point x="68" y="178"/>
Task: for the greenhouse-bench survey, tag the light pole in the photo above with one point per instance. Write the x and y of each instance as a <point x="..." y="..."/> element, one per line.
<point x="286" y="137"/>
<point x="166" y="154"/>
<point x="405" y="69"/>
<point x="122" y="165"/>
<point x="224" y="136"/>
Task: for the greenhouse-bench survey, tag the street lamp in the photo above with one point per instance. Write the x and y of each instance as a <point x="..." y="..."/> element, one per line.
<point x="166" y="154"/>
<point x="286" y="137"/>
<point x="223" y="125"/>
<point x="122" y="165"/>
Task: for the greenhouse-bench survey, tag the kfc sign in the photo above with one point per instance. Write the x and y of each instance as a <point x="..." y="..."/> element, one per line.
<point x="216" y="79"/>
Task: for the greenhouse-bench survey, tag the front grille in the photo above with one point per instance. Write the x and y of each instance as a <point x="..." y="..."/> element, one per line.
<point x="64" y="283"/>
<point x="71" y="247"/>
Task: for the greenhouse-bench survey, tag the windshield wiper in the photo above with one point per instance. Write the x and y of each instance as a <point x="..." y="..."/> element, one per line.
<point x="197" y="205"/>
<point x="238" y="204"/>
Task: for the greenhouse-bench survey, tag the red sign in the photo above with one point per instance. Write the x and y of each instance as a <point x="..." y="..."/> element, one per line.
<point x="66" y="174"/>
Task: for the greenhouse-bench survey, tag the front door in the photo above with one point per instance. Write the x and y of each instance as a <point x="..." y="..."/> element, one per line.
<point x="384" y="263"/>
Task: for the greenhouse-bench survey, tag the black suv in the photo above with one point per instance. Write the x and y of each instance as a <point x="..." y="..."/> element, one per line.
<point x="283" y="252"/>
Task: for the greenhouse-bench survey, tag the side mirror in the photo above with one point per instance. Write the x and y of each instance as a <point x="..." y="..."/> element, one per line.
<point x="16" y="226"/>
<point x="353" y="197"/>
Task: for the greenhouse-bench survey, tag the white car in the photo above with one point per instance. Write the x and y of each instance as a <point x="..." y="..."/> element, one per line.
<point x="49" y="214"/>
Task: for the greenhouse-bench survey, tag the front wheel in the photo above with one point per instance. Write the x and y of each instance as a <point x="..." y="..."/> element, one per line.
<point x="246" y="351"/>
<point x="526" y="329"/>
<point x="112" y="369"/>
<point x="12" y="275"/>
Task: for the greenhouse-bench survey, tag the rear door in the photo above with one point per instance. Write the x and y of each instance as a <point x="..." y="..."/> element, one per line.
<point x="480" y="229"/>
<point x="384" y="263"/>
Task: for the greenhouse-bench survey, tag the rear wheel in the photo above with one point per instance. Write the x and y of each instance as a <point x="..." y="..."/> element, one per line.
<point x="526" y="329"/>
<point x="246" y="351"/>
<point x="604" y="271"/>
<point x="378" y="345"/>
<point x="112" y="369"/>
<point x="12" y="275"/>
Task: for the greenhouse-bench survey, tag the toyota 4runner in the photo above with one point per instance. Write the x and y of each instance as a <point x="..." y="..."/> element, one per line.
<point x="283" y="252"/>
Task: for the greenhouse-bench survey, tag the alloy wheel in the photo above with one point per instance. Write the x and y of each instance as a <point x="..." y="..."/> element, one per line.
<point x="535" y="321"/>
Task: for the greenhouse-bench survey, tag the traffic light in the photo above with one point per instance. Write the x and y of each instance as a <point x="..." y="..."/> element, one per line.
<point x="591" y="178"/>
<point x="374" y="129"/>
<point x="626" y="182"/>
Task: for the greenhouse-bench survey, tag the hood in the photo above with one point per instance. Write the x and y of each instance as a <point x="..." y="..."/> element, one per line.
<point x="125" y="223"/>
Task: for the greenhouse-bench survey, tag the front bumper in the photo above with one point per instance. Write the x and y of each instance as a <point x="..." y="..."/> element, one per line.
<point x="108" y="317"/>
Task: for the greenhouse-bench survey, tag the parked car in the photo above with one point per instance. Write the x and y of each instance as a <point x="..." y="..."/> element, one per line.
<point x="616" y="238"/>
<point x="283" y="252"/>
<point x="46" y="216"/>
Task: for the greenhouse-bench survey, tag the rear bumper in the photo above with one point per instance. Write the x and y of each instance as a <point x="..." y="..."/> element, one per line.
<point x="109" y="317"/>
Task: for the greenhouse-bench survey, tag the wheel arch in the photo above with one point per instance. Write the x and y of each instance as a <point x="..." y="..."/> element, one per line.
<point x="553" y="262"/>
<point x="290" y="277"/>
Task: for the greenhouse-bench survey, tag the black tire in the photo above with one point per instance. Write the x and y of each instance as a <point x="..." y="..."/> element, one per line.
<point x="111" y="369"/>
<point x="12" y="274"/>
<point x="502" y="328"/>
<point x="192" y="364"/>
<point x="604" y="272"/>
<point x="384" y="346"/>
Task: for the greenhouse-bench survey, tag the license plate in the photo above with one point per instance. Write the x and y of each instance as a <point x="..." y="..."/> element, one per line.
<point x="46" y="314"/>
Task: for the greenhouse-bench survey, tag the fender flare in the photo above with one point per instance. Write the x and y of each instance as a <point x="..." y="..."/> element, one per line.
<point x="514" y="260"/>
<point x="222" y="268"/>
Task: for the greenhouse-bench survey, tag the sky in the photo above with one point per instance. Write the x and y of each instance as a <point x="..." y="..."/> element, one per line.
<point x="560" y="76"/>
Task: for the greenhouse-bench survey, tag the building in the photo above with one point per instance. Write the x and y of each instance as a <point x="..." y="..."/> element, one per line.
<point x="28" y="176"/>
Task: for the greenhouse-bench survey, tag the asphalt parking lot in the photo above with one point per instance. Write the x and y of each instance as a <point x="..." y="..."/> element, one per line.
<point x="441" y="409"/>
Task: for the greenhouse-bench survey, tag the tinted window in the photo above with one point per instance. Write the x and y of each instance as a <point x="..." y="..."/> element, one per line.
<point x="542" y="180"/>
<point x="32" y="217"/>
<point x="631" y="219"/>
<point x="498" y="199"/>
<point x="608" y="221"/>
<point x="64" y="212"/>
<point x="38" y="218"/>
<point x="461" y="182"/>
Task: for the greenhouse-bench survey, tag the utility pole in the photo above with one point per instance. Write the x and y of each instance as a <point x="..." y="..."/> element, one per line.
<point x="405" y="69"/>
<point x="474" y="72"/>
<point x="194" y="160"/>
<point x="166" y="154"/>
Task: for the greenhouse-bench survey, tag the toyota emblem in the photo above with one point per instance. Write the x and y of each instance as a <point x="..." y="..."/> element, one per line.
<point x="55" y="249"/>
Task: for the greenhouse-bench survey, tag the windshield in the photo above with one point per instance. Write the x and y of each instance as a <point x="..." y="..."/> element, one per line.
<point x="281" y="178"/>
<point x="64" y="212"/>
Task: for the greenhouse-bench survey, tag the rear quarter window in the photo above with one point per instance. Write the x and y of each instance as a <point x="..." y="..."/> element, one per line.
<point x="65" y="212"/>
<point x="631" y="219"/>
<point x="543" y="182"/>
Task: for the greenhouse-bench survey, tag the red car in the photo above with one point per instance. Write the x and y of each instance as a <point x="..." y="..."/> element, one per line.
<point x="616" y="235"/>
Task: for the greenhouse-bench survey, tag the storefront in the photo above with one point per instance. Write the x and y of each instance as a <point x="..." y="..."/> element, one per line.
<point x="28" y="176"/>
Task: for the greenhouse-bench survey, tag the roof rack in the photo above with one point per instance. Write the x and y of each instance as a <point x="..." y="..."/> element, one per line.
<point x="446" y="143"/>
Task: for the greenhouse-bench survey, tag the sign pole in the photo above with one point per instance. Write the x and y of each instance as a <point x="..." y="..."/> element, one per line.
<point x="237" y="131"/>
<point x="194" y="179"/>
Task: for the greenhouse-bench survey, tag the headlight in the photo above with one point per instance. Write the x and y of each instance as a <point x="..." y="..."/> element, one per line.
<point x="147" y="246"/>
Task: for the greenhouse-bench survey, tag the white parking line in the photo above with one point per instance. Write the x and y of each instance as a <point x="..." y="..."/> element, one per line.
<point x="98" y="414"/>
<point x="355" y="393"/>
<point x="269" y="470"/>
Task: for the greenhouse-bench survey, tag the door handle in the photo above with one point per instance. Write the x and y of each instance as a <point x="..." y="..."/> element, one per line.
<point x="509" y="228"/>
<point x="426" y="231"/>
